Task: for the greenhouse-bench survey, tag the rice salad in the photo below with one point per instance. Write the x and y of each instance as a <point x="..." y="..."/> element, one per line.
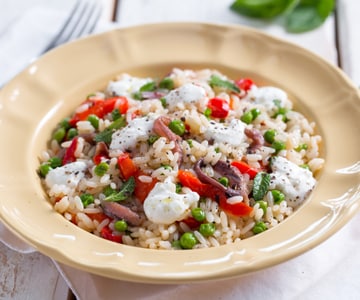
<point x="191" y="160"/>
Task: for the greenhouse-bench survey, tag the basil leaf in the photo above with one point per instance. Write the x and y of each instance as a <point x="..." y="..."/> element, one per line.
<point x="148" y="87"/>
<point x="308" y="15"/>
<point x="261" y="185"/>
<point x="125" y="192"/>
<point x="216" y="81"/>
<point x="106" y="135"/>
<point x="264" y="9"/>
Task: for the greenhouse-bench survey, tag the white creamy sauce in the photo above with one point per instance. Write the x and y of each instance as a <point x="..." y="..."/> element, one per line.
<point x="187" y="94"/>
<point x="136" y="130"/>
<point x="295" y="182"/>
<point x="232" y="134"/>
<point x="127" y="85"/>
<point x="164" y="206"/>
<point x="68" y="175"/>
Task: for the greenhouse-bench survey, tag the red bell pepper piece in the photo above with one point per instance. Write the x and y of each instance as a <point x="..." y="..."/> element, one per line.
<point x="244" y="84"/>
<point x="101" y="107"/>
<point x="142" y="189"/>
<point x="126" y="166"/>
<point x="219" y="107"/>
<point x="106" y="233"/>
<point x="244" y="168"/>
<point x="69" y="155"/>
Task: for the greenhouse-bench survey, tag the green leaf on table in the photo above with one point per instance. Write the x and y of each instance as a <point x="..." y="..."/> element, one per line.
<point x="264" y="9"/>
<point x="308" y="15"/>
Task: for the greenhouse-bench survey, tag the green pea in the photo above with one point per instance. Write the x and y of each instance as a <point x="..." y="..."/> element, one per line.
<point x="65" y="123"/>
<point x="207" y="229"/>
<point x="255" y="112"/>
<point x="44" y="169"/>
<point x="259" y="227"/>
<point x="87" y="199"/>
<point x="177" y="127"/>
<point x="101" y="169"/>
<point x="188" y="240"/>
<point x="94" y="121"/>
<point x="278" y="146"/>
<point x="198" y="214"/>
<point x="72" y="132"/>
<point x="59" y="134"/>
<point x="55" y="162"/>
<point x="277" y="196"/>
<point x="166" y="83"/>
<point x="263" y="205"/>
<point x="224" y="181"/>
<point x="121" y="225"/>
<point x="269" y="135"/>
<point x="247" y="117"/>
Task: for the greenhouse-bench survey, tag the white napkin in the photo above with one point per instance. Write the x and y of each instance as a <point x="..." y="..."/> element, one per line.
<point x="26" y="38"/>
<point x="330" y="271"/>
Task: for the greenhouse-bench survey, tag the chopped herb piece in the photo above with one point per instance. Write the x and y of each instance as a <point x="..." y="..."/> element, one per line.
<point x="87" y="199"/>
<point x="261" y="185"/>
<point x="105" y="136"/>
<point x="166" y="83"/>
<point x="125" y="192"/>
<point x="152" y="139"/>
<point x="101" y="169"/>
<point x="115" y="114"/>
<point x="148" y="87"/>
<point x="216" y="81"/>
<point x="207" y="112"/>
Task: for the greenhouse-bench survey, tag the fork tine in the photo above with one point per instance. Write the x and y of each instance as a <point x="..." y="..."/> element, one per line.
<point x="88" y="22"/>
<point x="54" y="42"/>
<point x="73" y="23"/>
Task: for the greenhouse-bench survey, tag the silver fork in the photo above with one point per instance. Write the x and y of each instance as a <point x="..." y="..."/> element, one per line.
<point x="81" y="21"/>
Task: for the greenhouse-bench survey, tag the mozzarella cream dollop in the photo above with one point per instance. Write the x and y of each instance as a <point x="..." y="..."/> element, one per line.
<point x="295" y="182"/>
<point x="67" y="175"/>
<point x="232" y="134"/>
<point x="266" y="95"/>
<point x="127" y="85"/>
<point x="164" y="206"/>
<point x="187" y="94"/>
<point x="135" y="131"/>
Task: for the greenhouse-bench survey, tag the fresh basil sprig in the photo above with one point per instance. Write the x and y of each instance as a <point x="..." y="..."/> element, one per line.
<point x="299" y="15"/>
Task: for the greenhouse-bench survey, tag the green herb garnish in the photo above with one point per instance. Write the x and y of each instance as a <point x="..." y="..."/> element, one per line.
<point x="106" y="135"/>
<point x="216" y="81"/>
<point x="125" y="192"/>
<point x="261" y="185"/>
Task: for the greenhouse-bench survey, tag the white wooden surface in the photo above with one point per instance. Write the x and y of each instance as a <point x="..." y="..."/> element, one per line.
<point x="34" y="276"/>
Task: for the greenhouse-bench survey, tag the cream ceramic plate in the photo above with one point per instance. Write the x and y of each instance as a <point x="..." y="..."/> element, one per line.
<point x="48" y="90"/>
